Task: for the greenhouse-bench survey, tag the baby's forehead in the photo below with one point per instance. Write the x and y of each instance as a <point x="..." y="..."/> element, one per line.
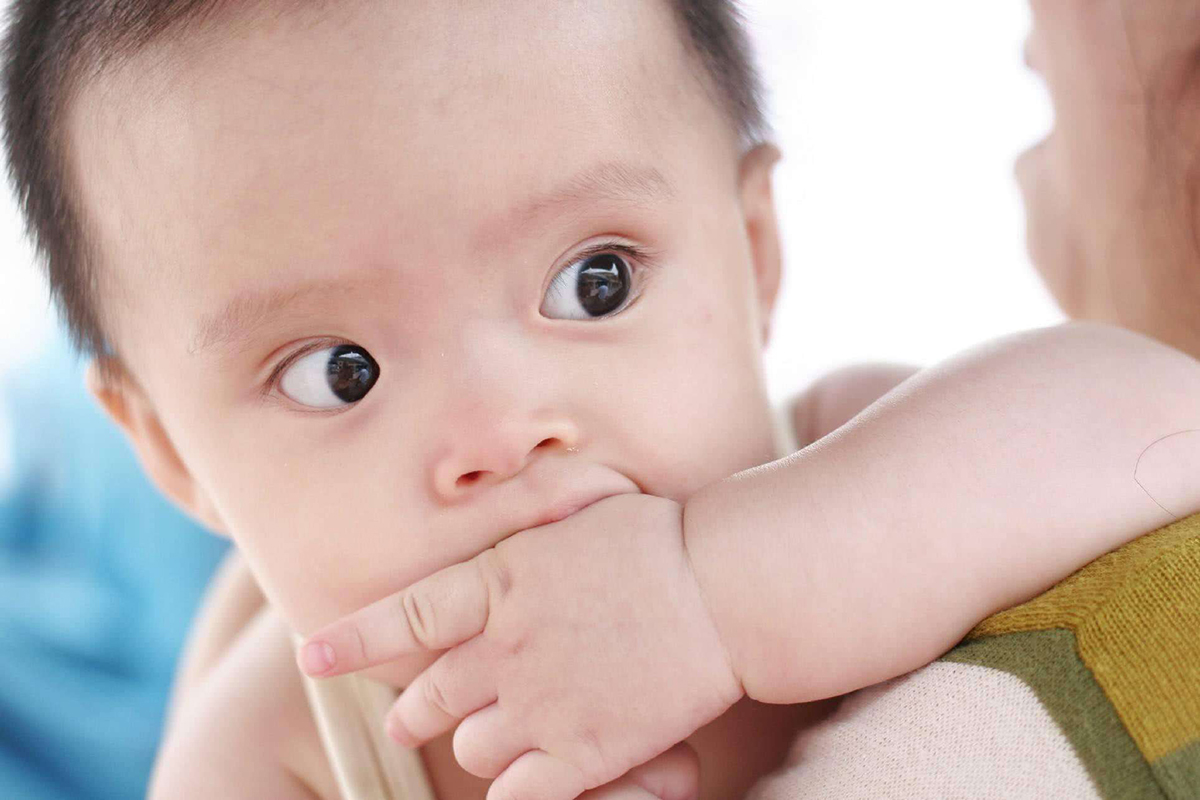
<point x="397" y="122"/>
<point x="444" y="97"/>
<point x="349" y="65"/>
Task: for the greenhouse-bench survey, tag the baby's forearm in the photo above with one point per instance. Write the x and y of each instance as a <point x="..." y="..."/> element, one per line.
<point x="978" y="484"/>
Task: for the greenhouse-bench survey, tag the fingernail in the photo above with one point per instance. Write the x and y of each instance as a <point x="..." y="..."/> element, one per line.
<point x="317" y="657"/>
<point x="396" y="731"/>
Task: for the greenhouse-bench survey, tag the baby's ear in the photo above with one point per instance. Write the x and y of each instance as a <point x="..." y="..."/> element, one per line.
<point x="762" y="229"/>
<point x="127" y="405"/>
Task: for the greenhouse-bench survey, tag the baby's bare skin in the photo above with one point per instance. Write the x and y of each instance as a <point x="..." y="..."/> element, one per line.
<point x="298" y="207"/>
<point x="1091" y="226"/>
<point x="991" y="371"/>
<point x="239" y="647"/>
<point x="242" y="728"/>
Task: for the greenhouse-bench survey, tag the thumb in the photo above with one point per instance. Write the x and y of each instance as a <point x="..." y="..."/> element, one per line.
<point x="673" y="775"/>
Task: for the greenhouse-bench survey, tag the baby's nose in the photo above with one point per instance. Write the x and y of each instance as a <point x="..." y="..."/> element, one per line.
<point x="483" y="458"/>
<point x="503" y="405"/>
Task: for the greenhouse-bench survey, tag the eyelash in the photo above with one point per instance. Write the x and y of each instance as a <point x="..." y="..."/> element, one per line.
<point x="272" y="381"/>
<point x="639" y="254"/>
<point x="645" y="260"/>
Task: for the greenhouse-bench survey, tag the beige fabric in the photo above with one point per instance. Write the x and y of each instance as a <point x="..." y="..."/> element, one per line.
<point x="943" y="731"/>
<point x="349" y="712"/>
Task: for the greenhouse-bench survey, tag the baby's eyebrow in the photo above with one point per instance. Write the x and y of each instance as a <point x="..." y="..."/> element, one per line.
<point x="237" y="320"/>
<point x="613" y="181"/>
<point x="607" y="180"/>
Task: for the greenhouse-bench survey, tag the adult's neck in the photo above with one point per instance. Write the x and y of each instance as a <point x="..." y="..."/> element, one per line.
<point x="745" y="743"/>
<point x="1161" y="296"/>
<point x="1182" y="334"/>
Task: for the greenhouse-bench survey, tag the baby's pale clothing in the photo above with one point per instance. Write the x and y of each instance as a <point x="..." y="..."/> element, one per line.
<point x="349" y="711"/>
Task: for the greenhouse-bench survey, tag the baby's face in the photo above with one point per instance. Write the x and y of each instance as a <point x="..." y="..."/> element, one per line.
<point x="514" y="235"/>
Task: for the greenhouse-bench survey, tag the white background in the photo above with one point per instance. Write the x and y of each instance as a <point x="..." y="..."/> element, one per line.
<point x="903" y="231"/>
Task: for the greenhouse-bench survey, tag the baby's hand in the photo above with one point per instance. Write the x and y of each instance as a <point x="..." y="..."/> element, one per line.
<point x="577" y="651"/>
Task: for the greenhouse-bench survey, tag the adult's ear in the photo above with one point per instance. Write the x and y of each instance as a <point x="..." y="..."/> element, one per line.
<point x="762" y="229"/>
<point x="127" y="405"/>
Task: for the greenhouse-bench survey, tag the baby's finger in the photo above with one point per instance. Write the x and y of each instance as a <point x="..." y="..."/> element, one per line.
<point x="674" y="775"/>
<point x="435" y="613"/>
<point x="618" y="790"/>
<point x="486" y="742"/>
<point x="537" y="775"/>
<point x="455" y="685"/>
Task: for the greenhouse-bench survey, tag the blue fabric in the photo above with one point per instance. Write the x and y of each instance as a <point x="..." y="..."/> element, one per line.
<point x="99" y="579"/>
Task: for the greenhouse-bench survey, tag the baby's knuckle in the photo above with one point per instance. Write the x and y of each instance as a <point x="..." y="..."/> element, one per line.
<point x="510" y="643"/>
<point x="419" y="614"/>
<point x="363" y="654"/>
<point x="590" y="757"/>
<point x="436" y="697"/>
<point x="496" y="575"/>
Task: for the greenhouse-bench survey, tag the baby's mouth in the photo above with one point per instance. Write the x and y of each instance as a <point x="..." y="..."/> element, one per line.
<point x="580" y="492"/>
<point x="567" y="508"/>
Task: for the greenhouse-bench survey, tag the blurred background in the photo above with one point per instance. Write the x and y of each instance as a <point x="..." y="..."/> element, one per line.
<point x="904" y="241"/>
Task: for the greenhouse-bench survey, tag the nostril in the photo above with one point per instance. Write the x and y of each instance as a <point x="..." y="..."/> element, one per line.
<point x="546" y="443"/>
<point x="468" y="478"/>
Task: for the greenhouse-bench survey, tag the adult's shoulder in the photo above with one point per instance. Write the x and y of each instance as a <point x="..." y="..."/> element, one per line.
<point x="1112" y="655"/>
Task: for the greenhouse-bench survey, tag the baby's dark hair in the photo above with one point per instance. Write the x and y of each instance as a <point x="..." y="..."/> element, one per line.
<point x="52" y="47"/>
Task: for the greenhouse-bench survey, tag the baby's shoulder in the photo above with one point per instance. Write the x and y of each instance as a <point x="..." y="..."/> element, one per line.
<point x="246" y="730"/>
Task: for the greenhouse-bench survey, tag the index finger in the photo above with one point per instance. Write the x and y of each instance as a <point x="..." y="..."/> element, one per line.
<point x="435" y="613"/>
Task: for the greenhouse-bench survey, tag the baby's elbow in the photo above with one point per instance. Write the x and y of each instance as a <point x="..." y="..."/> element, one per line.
<point x="1168" y="471"/>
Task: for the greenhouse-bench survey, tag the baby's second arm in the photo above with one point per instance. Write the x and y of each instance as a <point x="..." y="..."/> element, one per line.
<point x="969" y="489"/>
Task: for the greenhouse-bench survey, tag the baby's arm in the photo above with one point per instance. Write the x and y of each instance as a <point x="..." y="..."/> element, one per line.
<point x="971" y="488"/>
<point x="243" y="729"/>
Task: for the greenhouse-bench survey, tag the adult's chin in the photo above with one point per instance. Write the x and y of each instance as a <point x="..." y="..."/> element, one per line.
<point x="1050" y="235"/>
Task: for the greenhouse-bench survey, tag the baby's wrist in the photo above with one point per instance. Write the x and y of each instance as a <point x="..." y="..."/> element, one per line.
<point x="706" y="540"/>
<point x="758" y="566"/>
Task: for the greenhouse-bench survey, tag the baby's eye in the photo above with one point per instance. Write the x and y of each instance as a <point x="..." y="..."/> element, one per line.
<point x="330" y="377"/>
<point x="592" y="286"/>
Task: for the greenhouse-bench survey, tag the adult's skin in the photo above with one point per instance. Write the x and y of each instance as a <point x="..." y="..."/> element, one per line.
<point x="1113" y="193"/>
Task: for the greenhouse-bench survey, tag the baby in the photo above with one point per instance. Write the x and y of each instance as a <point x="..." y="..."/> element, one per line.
<point x="377" y="290"/>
